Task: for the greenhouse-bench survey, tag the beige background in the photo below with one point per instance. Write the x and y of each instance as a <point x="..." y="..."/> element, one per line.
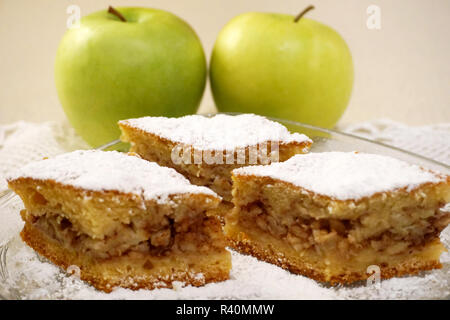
<point x="402" y="71"/>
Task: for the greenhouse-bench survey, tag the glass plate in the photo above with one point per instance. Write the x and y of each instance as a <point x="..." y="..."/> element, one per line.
<point x="26" y="275"/>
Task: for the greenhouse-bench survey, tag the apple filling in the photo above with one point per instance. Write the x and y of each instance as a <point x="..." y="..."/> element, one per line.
<point x="343" y="237"/>
<point x="138" y="237"/>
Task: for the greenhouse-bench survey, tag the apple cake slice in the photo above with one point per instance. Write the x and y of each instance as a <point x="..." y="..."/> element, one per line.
<point x="122" y="220"/>
<point x="206" y="149"/>
<point x="331" y="215"/>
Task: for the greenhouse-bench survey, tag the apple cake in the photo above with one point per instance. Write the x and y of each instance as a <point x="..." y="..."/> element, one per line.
<point x="122" y="220"/>
<point x="331" y="215"/>
<point x="206" y="149"/>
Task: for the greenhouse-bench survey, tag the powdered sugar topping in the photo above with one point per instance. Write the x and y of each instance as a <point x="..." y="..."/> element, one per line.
<point x="345" y="175"/>
<point x="111" y="170"/>
<point x="220" y="132"/>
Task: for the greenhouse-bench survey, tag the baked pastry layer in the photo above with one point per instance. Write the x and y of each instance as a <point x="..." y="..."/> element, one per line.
<point x="133" y="271"/>
<point x="396" y="227"/>
<point x="310" y="263"/>
<point x="206" y="150"/>
<point x="128" y="236"/>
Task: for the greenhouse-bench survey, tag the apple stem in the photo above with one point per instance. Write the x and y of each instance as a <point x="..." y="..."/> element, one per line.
<point x="301" y="14"/>
<point x="116" y="13"/>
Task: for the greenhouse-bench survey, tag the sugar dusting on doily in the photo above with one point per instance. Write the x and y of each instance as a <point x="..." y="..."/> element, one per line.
<point x="32" y="278"/>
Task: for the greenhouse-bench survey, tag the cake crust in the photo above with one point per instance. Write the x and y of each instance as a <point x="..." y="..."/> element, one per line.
<point x="411" y="267"/>
<point x="113" y="273"/>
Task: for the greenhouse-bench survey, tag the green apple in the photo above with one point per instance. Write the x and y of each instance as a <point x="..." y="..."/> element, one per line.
<point x="271" y="65"/>
<point x="152" y="63"/>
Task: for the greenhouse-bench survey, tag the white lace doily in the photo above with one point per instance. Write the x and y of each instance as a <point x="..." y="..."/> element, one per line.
<point x="250" y="279"/>
<point x="429" y="141"/>
<point x="23" y="142"/>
